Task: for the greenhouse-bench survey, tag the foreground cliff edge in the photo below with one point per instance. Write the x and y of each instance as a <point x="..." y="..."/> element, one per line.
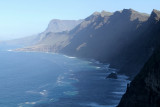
<point x="144" y="90"/>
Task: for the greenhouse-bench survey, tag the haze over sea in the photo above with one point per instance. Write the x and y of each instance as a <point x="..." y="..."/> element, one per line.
<point x="32" y="79"/>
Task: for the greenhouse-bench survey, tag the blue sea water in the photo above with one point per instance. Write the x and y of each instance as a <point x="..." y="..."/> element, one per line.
<point x="32" y="79"/>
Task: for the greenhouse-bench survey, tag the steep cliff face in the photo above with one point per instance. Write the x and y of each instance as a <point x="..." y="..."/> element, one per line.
<point x="104" y="34"/>
<point x="138" y="51"/>
<point x="111" y="38"/>
<point x="144" y="90"/>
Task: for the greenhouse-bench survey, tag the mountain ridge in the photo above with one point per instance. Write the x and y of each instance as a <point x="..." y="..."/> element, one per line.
<point x="106" y="36"/>
<point x="117" y="38"/>
<point x="57" y="25"/>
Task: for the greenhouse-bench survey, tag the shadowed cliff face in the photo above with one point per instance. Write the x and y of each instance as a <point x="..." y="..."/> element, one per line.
<point x="102" y="34"/>
<point x="144" y="90"/>
<point x="109" y="38"/>
<point x="134" y="55"/>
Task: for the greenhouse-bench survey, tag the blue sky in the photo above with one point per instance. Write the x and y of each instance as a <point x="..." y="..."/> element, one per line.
<point x="21" y="18"/>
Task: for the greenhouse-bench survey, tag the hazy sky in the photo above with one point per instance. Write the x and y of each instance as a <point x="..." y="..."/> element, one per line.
<point x="27" y="17"/>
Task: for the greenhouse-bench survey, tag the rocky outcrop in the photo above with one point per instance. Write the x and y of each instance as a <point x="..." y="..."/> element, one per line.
<point x="112" y="75"/>
<point x="155" y="15"/>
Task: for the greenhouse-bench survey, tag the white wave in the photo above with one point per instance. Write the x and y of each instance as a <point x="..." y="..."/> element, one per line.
<point x="95" y="61"/>
<point x="60" y="77"/>
<point x="74" y="79"/>
<point x="9" y="50"/>
<point x="30" y="103"/>
<point x="26" y="103"/>
<point x="118" y="93"/>
<point x="53" y="99"/>
<point x="44" y="92"/>
<point x="69" y="56"/>
<point x="60" y="81"/>
<point x="20" y="105"/>
<point x="98" y="67"/>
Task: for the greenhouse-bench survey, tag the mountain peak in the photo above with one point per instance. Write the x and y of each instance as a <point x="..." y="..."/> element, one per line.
<point x="155" y="15"/>
<point x="135" y="15"/>
<point x="105" y="13"/>
<point x="128" y="10"/>
<point x="57" y="25"/>
<point x="102" y="13"/>
<point x="156" y="11"/>
<point x="96" y="13"/>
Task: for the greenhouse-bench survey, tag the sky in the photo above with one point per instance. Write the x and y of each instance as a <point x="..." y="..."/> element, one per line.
<point x="21" y="18"/>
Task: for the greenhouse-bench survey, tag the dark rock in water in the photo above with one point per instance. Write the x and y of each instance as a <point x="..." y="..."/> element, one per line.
<point x="112" y="75"/>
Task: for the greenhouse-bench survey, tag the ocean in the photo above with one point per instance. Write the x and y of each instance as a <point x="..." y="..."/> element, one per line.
<point x="34" y="79"/>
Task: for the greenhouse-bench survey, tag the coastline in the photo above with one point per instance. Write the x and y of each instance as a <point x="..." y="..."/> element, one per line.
<point x="92" y="90"/>
<point x="85" y="79"/>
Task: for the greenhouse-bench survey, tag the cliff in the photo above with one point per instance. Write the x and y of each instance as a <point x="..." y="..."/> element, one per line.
<point x="111" y="38"/>
<point x="144" y="90"/>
